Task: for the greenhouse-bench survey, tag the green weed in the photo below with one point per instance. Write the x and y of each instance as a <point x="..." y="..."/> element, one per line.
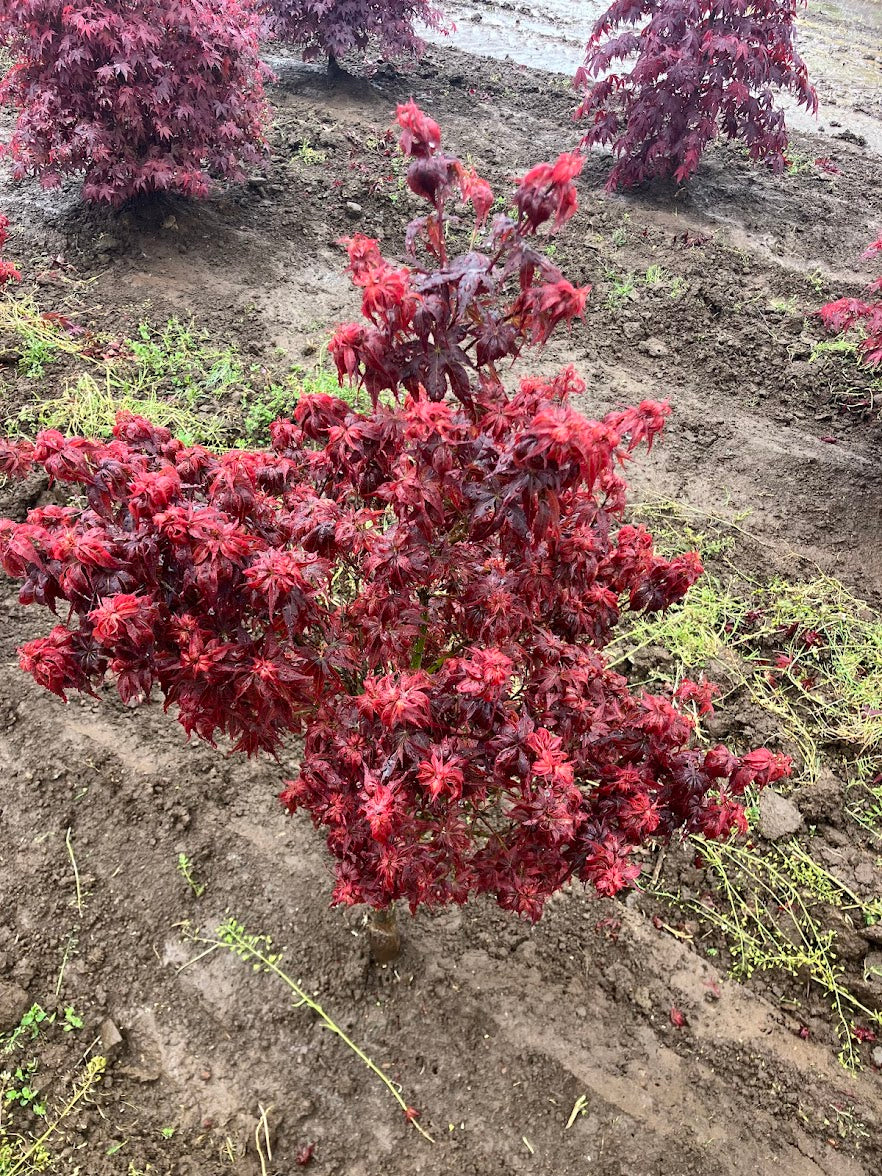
<point x="311" y="156"/>
<point x="87" y="409"/>
<point x="864" y="804"/>
<point x="809" y="654"/>
<point x="622" y="288"/>
<point x="35" y="355"/>
<point x="71" y="1021"/>
<point x="20" y="1153"/>
<point x="172" y="374"/>
<point x="847" y="1125"/>
<point x="179" y="358"/>
<point x="839" y="346"/>
<point x="27" y="1030"/>
<point x="260" y="407"/>
<point x="619" y="236"/>
<point x="850" y="382"/>
<point x="798" y="162"/>
<point x="677" y="287"/>
<point x="785" y="305"/>
<point x="818" y="282"/>
<point x="769" y="907"/>
<point x="23" y="1156"/>
<point x="18" y="1088"/>
<point x="185" y="869"/>
<point x="256" y="951"/>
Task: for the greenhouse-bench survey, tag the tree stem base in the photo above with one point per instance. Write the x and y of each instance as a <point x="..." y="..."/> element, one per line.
<point x="384" y="935"/>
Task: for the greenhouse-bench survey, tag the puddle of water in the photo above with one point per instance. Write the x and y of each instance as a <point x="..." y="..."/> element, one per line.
<point x="842" y="44"/>
<point x="552" y="37"/>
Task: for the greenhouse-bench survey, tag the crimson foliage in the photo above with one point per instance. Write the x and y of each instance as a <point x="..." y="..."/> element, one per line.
<point x="847" y="313"/>
<point x="703" y="67"/>
<point x="337" y="28"/>
<point x="421" y="590"/>
<point x="8" y="272"/>
<point x="140" y="95"/>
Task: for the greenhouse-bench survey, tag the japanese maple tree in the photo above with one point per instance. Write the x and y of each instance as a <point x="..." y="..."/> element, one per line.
<point x="691" y="70"/>
<point x="139" y="95"/>
<point x="846" y="314"/>
<point x="420" y="591"/>
<point x="338" y="28"/>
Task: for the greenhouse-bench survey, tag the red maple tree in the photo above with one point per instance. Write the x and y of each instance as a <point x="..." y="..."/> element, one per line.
<point x="339" y="28"/>
<point x="865" y="314"/>
<point x="421" y="591"/>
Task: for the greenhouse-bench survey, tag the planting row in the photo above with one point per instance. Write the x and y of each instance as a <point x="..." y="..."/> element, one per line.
<point x="161" y="95"/>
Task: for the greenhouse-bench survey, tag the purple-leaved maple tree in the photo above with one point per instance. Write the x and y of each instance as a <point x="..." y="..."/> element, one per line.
<point x="690" y="70"/>
<point x="340" y="28"/>
<point x="137" y="95"/>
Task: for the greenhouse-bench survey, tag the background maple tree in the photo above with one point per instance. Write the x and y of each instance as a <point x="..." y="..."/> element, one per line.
<point x="337" y="28"/>
<point x="137" y="95"/>
<point x="699" y="68"/>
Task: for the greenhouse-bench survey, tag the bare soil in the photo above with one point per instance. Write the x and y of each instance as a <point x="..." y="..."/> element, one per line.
<point x="493" y="1027"/>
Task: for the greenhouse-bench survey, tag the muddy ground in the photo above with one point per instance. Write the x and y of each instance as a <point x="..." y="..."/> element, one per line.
<point x="494" y="1028"/>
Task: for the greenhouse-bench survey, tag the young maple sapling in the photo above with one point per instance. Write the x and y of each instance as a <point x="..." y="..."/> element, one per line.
<point x="138" y="95"/>
<point x="700" y="68"/>
<point x="420" y="591"/>
<point x="846" y="314"/>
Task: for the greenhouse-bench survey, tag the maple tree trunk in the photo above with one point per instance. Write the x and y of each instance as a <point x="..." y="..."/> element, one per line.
<point x="334" y="68"/>
<point x="384" y="934"/>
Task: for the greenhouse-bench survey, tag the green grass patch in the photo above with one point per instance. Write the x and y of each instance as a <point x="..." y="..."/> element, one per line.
<point x="173" y="374"/>
<point x="770" y="907"/>
<point x="86" y="408"/>
<point x="808" y="654"/>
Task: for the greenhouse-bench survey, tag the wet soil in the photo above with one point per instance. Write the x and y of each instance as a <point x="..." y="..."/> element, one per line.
<point x="494" y="1028"/>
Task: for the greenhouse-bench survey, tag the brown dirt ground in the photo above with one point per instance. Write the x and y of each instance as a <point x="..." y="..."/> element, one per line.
<point x="494" y="1028"/>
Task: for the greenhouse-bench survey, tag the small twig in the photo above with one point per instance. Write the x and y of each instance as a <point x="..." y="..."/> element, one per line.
<point x="73" y="862"/>
<point x="659" y="862"/>
<point x="71" y="939"/>
<point x="201" y="956"/>
<point x="579" y="1108"/>
<point x="85" y="1054"/>
<point x="233" y="937"/>
<point x="263" y="1124"/>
